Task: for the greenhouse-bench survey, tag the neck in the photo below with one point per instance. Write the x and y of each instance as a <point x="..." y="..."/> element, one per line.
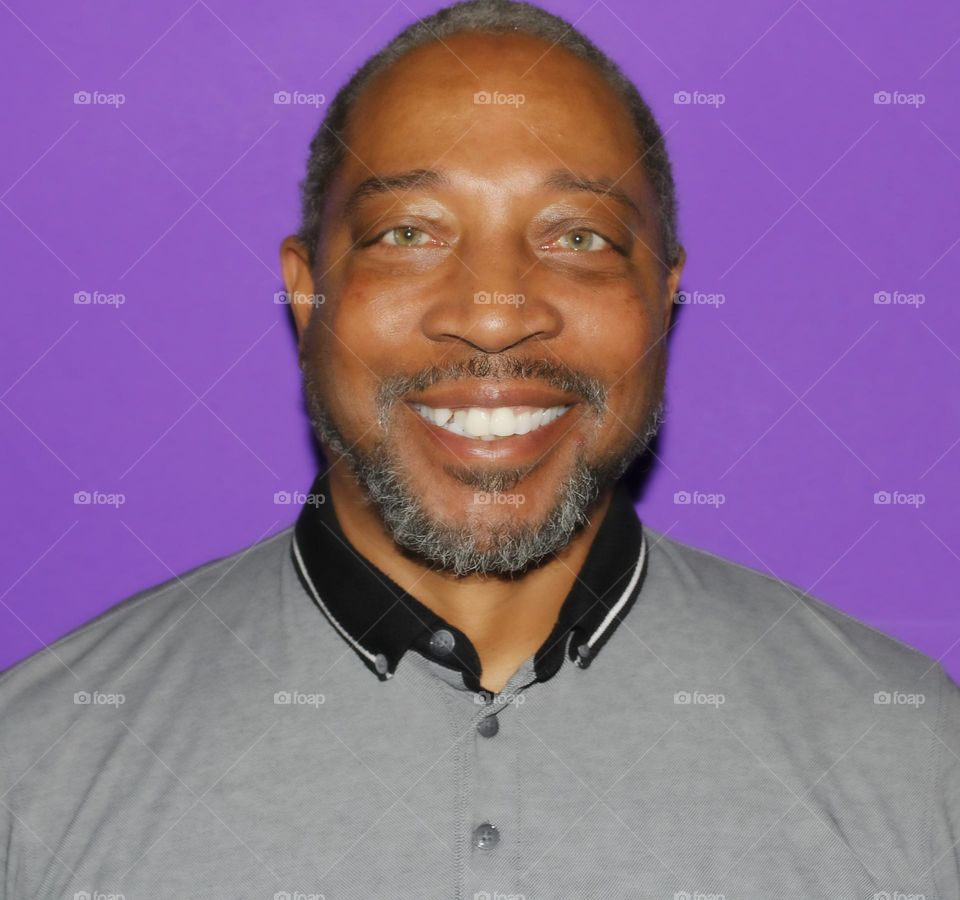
<point x="506" y="620"/>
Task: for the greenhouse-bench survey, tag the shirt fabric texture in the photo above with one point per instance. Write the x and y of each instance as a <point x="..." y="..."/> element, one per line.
<point x="287" y="723"/>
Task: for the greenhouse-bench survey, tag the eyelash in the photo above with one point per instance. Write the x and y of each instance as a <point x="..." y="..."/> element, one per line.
<point x="613" y="246"/>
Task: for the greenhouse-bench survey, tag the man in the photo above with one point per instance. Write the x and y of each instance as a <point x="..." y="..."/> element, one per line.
<point x="469" y="671"/>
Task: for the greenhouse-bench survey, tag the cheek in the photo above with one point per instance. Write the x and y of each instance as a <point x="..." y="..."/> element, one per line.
<point x="359" y="337"/>
<point x="616" y="338"/>
<point x="622" y="344"/>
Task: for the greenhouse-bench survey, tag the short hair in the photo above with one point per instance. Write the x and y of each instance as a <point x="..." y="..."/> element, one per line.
<point x="498" y="17"/>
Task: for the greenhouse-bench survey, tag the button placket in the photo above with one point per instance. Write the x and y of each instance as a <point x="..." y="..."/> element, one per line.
<point x="493" y="809"/>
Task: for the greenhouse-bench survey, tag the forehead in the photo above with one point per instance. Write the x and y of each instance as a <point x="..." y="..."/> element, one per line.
<point x="550" y="110"/>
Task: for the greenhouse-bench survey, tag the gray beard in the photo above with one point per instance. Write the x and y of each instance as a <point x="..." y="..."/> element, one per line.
<point x="499" y="550"/>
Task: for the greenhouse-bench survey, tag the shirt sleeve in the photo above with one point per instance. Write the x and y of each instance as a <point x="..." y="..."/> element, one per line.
<point x="945" y="822"/>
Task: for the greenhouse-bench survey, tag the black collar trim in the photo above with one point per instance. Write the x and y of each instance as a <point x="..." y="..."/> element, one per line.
<point x="380" y="621"/>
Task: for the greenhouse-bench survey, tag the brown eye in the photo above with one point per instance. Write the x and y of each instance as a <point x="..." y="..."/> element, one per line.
<point x="583" y="239"/>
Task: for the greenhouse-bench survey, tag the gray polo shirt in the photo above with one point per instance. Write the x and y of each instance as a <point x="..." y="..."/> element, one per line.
<point x="235" y="733"/>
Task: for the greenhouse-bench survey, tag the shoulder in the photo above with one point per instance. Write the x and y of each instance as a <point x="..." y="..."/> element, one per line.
<point x="790" y="625"/>
<point x="180" y="619"/>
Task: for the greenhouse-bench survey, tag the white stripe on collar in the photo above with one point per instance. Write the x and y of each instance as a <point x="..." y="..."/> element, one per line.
<point x="302" y="568"/>
<point x="624" y="597"/>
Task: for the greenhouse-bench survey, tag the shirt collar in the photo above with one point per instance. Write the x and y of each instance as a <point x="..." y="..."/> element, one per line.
<point x="381" y="621"/>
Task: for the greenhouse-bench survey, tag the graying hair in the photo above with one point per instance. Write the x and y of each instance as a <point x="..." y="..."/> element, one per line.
<point x="494" y="16"/>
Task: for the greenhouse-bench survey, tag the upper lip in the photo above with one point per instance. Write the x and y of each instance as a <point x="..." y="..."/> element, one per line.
<point x="490" y="396"/>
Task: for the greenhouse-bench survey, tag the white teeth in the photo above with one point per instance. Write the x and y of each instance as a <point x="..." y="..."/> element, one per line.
<point x="478" y="422"/>
<point x="490" y="424"/>
<point x="502" y="422"/>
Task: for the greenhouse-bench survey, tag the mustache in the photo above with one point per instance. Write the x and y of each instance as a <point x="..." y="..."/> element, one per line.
<point x="564" y="379"/>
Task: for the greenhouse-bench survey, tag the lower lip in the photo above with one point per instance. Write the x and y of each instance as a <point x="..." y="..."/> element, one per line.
<point x="517" y="446"/>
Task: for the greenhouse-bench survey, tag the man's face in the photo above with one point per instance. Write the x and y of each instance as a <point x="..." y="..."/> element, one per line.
<point x="494" y="285"/>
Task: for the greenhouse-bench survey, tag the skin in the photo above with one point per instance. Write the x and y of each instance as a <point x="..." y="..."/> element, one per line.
<point x="405" y="303"/>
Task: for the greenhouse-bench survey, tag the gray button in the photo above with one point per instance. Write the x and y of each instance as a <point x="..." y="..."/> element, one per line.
<point x="380" y="664"/>
<point x="488" y="726"/>
<point x="486" y="836"/>
<point x="442" y="642"/>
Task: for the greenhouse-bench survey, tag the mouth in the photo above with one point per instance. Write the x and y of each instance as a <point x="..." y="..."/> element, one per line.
<point x="504" y="422"/>
<point x="482" y="423"/>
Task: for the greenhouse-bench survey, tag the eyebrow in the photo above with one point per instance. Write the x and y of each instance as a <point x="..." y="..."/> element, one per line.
<point x="600" y="187"/>
<point x="389" y="184"/>
<point x="561" y="179"/>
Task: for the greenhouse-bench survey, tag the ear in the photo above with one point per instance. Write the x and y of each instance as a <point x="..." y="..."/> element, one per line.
<point x="298" y="281"/>
<point x="673" y="284"/>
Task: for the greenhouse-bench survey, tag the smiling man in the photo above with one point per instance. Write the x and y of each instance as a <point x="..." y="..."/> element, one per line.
<point x="469" y="670"/>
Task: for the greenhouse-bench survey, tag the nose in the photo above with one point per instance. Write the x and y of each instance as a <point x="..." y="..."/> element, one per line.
<point x="491" y="300"/>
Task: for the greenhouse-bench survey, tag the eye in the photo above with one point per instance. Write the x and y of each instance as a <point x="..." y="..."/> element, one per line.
<point x="405" y="236"/>
<point x="583" y="239"/>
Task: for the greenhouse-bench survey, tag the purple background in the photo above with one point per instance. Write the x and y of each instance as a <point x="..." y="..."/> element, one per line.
<point x="797" y="399"/>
